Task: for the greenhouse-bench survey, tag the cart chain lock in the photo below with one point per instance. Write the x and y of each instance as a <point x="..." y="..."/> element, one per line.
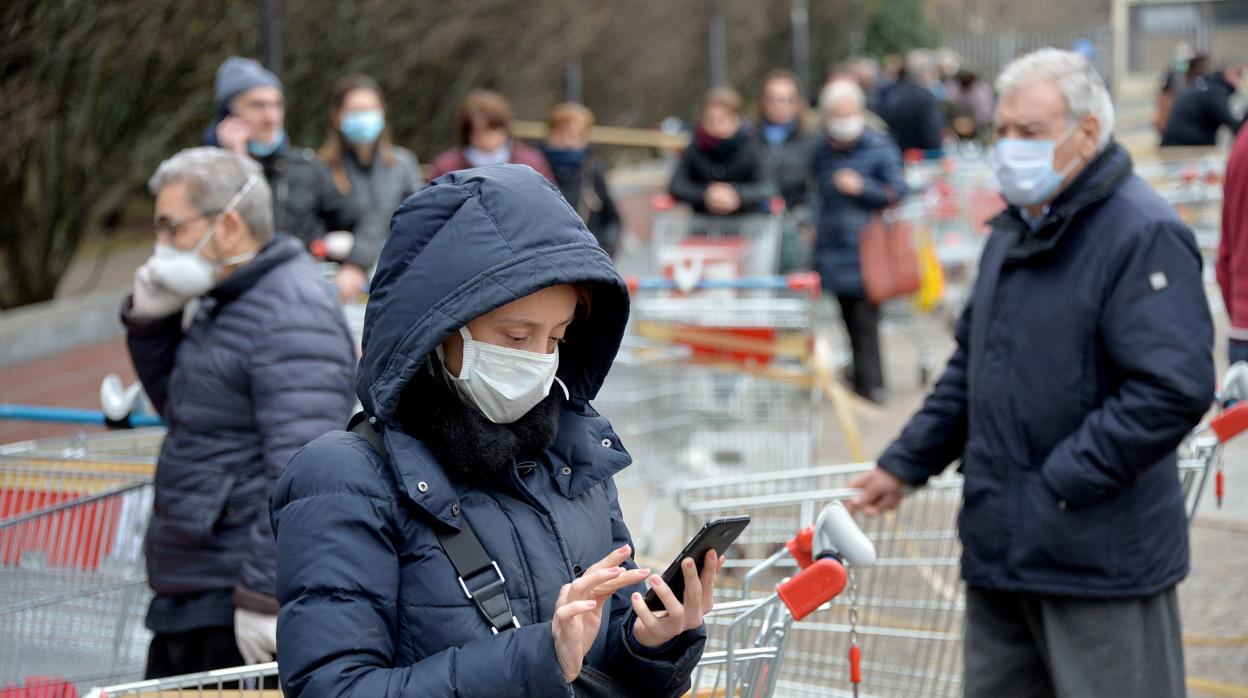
<point x="855" y="654"/>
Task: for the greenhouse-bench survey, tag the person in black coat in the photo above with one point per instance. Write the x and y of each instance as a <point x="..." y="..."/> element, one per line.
<point x="248" y="120"/>
<point x="580" y="175"/>
<point x="720" y="172"/>
<point x="1204" y="107"/>
<point x="1084" y="357"/>
<point x="261" y="365"/>
<point x="785" y="148"/>
<point x="910" y="109"/>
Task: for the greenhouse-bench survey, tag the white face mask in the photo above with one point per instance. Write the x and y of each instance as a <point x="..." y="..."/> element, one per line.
<point x="848" y="129"/>
<point x="504" y="384"/>
<point x="1025" y="171"/>
<point x="186" y="272"/>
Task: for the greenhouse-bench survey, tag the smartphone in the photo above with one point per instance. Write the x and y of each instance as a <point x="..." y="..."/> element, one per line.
<point x="717" y="535"/>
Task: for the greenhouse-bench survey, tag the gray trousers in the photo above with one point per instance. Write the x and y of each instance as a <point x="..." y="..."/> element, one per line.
<point x="1029" y="645"/>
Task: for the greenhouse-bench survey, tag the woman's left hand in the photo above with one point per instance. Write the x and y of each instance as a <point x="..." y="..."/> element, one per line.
<point x="652" y="629"/>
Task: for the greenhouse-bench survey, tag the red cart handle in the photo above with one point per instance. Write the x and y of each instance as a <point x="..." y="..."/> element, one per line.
<point x="800" y="547"/>
<point x="1230" y="423"/>
<point x="812" y="587"/>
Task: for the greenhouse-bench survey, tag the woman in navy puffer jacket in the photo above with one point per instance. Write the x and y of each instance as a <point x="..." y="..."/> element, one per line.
<point x="493" y="320"/>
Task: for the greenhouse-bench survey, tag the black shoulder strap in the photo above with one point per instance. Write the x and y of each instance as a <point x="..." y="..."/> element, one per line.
<point x="479" y="576"/>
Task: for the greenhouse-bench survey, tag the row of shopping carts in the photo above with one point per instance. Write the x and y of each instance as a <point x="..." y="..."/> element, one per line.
<point x="71" y="569"/>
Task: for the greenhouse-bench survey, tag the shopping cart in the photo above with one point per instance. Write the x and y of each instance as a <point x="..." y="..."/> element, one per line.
<point x="719" y="247"/>
<point x="752" y="389"/>
<point x="747" y="639"/>
<point x="73" y="592"/>
<point x="1202" y="454"/>
<point x="909" y="605"/>
<point x="951" y="201"/>
<point x="237" y="682"/>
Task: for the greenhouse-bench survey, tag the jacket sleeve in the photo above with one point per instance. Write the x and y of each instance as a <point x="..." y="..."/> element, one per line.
<point x="683" y="186"/>
<point x="301" y="380"/>
<point x="1222" y="266"/>
<point x="413" y="179"/>
<point x="936" y="435"/>
<point x="370" y="236"/>
<point x="153" y="346"/>
<point x="335" y="209"/>
<point x="338" y="545"/>
<point x="664" y="671"/>
<point x="885" y="184"/>
<point x="1158" y="336"/>
<point x="755" y="193"/>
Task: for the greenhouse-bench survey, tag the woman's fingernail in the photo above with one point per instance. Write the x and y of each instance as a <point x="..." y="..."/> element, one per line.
<point x="656" y="580"/>
<point x="644" y="572"/>
<point x="622" y="549"/>
<point x="636" y="596"/>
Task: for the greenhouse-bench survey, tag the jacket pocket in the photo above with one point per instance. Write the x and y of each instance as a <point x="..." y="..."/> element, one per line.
<point x="1056" y="543"/>
<point x="189" y="519"/>
<point x="982" y="519"/>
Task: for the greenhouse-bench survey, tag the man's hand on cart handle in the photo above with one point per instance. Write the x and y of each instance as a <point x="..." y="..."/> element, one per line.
<point x="881" y="491"/>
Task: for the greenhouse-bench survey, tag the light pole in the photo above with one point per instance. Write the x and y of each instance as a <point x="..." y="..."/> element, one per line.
<point x="270" y="40"/>
<point x="717" y="49"/>
<point x="799" y="17"/>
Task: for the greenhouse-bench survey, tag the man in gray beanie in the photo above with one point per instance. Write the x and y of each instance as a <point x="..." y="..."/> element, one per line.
<point x="249" y="109"/>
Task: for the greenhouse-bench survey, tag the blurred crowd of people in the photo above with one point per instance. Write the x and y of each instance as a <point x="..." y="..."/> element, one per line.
<point x="359" y="175"/>
<point x="833" y="171"/>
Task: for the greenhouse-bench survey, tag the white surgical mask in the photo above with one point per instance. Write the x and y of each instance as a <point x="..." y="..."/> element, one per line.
<point x="848" y="129"/>
<point x="186" y="272"/>
<point x="480" y="158"/>
<point x="1025" y="169"/>
<point x="504" y="384"/>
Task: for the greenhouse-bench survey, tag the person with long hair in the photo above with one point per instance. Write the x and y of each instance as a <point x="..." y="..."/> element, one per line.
<point x="369" y="168"/>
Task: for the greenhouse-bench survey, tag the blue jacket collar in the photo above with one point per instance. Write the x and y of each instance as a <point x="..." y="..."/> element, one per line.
<point x="586" y="446"/>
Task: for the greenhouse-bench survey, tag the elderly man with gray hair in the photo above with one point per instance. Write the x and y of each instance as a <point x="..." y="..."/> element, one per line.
<point x="1083" y="357"/>
<point x="260" y="364"/>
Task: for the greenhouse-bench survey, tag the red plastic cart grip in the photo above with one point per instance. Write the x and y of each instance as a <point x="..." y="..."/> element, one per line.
<point x="812" y="587"/>
<point x="803" y="281"/>
<point x="1230" y="423"/>
<point x="1219" y="482"/>
<point x="662" y="202"/>
<point x="855" y="664"/>
<point x="801" y="547"/>
<point x="318" y="248"/>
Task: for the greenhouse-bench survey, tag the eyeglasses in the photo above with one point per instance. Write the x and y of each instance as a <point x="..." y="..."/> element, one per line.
<point x="165" y="226"/>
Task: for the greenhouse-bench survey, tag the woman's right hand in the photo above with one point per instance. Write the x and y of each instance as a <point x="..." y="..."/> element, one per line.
<point x="578" y="612"/>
